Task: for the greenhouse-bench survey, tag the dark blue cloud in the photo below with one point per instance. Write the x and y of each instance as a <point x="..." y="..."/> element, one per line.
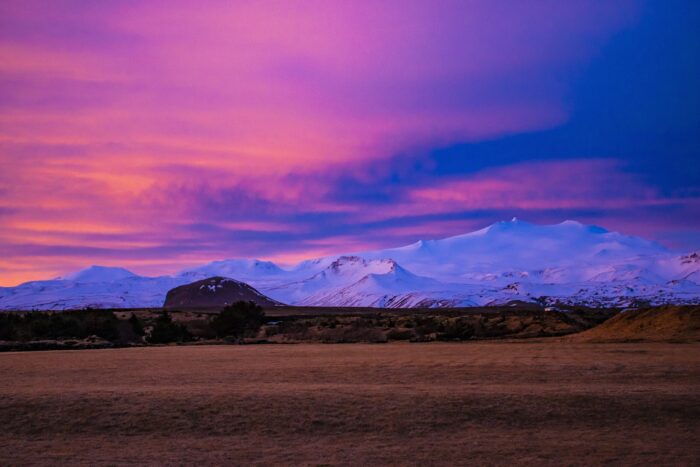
<point x="637" y="102"/>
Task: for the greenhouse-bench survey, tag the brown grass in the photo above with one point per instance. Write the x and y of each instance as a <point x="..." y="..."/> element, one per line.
<point x="658" y="324"/>
<point x="402" y="404"/>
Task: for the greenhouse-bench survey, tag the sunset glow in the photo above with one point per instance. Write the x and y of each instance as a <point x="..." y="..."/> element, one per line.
<point x="158" y="135"/>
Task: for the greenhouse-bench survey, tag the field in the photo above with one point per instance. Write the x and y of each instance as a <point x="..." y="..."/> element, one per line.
<point x="497" y="402"/>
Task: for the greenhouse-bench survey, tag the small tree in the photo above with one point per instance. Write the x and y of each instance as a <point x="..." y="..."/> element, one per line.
<point x="8" y="327"/>
<point x="165" y="331"/>
<point x="242" y="319"/>
<point x="136" y="326"/>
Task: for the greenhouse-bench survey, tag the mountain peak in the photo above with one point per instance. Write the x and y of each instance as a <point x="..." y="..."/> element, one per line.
<point x="354" y="262"/>
<point x="510" y="225"/>
<point x="572" y="223"/>
<point x="96" y="273"/>
<point x="239" y="268"/>
<point x="578" y="225"/>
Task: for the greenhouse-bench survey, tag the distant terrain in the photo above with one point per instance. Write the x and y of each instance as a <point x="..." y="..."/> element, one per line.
<point x="551" y="265"/>
<point x="83" y="329"/>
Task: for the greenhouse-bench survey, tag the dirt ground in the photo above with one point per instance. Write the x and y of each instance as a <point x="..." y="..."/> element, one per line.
<point x="495" y="403"/>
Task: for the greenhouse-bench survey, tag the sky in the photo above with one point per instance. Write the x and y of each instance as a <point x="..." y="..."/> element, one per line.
<point x="160" y="135"/>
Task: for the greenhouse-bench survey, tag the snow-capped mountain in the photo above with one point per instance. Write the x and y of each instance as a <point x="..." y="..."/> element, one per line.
<point x="556" y="252"/>
<point x="243" y="268"/>
<point x="94" y="274"/>
<point x="96" y="287"/>
<point x="354" y="281"/>
<point x="350" y="281"/>
<point x="515" y="260"/>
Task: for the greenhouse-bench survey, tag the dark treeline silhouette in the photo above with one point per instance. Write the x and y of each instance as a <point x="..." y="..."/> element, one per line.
<point x="242" y="319"/>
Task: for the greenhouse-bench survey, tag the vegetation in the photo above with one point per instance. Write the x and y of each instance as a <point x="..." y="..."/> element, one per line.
<point x="136" y="326"/>
<point x="64" y="325"/>
<point x="166" y="331"/>
<point x="245" y="321"/>
<point x="242" y="319"/>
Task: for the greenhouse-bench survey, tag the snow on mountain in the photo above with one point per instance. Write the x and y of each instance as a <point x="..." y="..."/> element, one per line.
<point x="99" y="274"/>
<point x="518" y="246"/>
<point x="515" y="260"/>
<point x="351" y="280"/>
<point x="685" y="267"/>
<point x="96" y="286"/>
<point x="245" y="270"/>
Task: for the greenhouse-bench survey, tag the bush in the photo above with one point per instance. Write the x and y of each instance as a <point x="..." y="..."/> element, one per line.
<point x="58" y="325"/>
<point x="107" y="329"/>
<point x="8" y="330"/>
<point x="396" y="334"/>
<point x="456" y="329"/>
<point x="64" y="327"/>
<point x="165" y="331"/>
<point x="89" y="322"/>
<point x="242" y="319"/>
<point x="136" y="326"/>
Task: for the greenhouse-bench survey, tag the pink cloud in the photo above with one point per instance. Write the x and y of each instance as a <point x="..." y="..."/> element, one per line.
<point x="570" y="184"/>
<point x="124" y="123"/>
<point x="276" y="84"/>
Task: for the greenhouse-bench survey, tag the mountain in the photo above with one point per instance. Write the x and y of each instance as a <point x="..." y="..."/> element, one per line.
<point x="567" y="262"/>
<point x="353" y="281"/>
<point x="382" y="283"/>
<point x="96" y="287"/>
<point x="561" y="252"/>
<point x="215" y="292"/>
<point x="99" y="274"/>
<point x="242" y="269"/>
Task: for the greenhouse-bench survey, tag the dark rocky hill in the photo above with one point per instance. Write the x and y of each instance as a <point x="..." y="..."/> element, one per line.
<point x="215" y="292"/>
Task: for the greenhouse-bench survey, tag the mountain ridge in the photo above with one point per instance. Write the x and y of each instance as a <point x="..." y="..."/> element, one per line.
<point x="567" y="262"/>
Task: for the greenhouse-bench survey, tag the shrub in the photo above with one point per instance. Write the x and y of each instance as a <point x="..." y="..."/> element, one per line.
<point x="165" y="331"/>
<point x="8" y="329"/>
<point x="427" y="325"/>
<point x="456" y="329"/>
<point x="395" y="334"/>
<point x="107" y="329"/>
<point x="38" y="328"/>
<point x="64" y="327"/>
<point x="59" y="325"/>
<point x="94" y="322"/>
<point x="242" y="319"/>
<point x="136" y="326"/>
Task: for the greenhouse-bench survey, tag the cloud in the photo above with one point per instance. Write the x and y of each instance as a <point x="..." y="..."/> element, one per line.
<point x="182" y="222"/>
<point x="160" y="134"/>
<point x="279" y="85"/>
<point x="568" y="184"/>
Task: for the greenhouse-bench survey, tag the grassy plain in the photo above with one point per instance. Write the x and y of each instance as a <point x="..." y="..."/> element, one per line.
<point x="499" y="402"/>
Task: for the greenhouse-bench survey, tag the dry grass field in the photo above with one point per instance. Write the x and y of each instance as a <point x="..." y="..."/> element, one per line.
<point x="545" y="402"/>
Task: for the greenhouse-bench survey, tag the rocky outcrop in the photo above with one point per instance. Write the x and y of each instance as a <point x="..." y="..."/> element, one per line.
<point x="215" y="292"/>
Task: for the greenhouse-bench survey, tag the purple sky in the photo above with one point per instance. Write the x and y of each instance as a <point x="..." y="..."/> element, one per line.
<point x="158" y="135"/>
